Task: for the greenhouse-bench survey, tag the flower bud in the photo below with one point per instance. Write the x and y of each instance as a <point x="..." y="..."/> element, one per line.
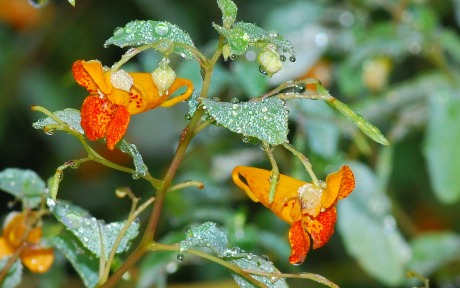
<point x="270" y="62"/>
<point x="226" y="51"/>
<point x="163" y="77"/>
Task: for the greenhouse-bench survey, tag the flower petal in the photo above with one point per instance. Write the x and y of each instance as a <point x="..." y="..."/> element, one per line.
<point x="5" y="248"/>
<point x="117" y="126"/>
<point x="256" y="183"/>
<point x="100" y="118"/>
<point x="90" y="75"/>
<point x="338" y="185"/>
<point x="300" y="243"/>
<point x="348" y="183"/>
<point x="38" y="260"/>
<point x="16" y="227"/>
<point x="321" y="227"/>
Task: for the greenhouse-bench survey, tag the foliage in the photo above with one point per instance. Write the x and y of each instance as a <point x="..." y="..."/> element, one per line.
<point x="308" y="84"/>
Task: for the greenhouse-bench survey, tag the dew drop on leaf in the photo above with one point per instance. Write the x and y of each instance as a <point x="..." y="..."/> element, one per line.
<point x="292" y="59"/>
<point x="136" y="176"/>
<point x="161" y="29"/>
<point x="282" y="58"/>
<point x="180" y="257"/>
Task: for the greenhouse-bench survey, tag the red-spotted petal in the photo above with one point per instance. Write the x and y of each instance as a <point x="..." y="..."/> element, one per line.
<point x="348" y="183"/>
<point x="102" y="119"/>
<point x="321" y="227"/>
<point x="300" y="243"/>
<point x="117" y="126"/>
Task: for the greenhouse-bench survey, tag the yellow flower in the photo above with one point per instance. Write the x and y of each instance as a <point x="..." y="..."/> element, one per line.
<point x="308" y="208"/>
<point x="34" y="256"/>
<point x="114" y="96"/>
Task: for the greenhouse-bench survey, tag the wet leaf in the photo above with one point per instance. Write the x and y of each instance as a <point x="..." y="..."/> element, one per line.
<point x="131" y="150"/>
<point x="441" y="145"/>
<point x="365" y="126"/>
<point x="205" y="235"/>
<point x="432" y="250"/>
<point x="209" y="235"/>
<point x="92" y="233"/>
<point x="25" y="185"/>
<point x="229" y="10"/>
<point x="137" y="33"/>
<point x="86" y="264"/>
<point x="68" y="115"/>
<point x="14" y="276"/>
<point x="266" y="120"/>
<point x="242" y="35"/>
<point x="369" y="231"/>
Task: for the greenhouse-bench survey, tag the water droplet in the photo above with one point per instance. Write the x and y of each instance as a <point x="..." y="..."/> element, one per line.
<point x="49" y="131"/>
<point x="204" y="107"/>
<point x="128" y="30"/>
<point x="262" y="70"/>
<point x="136" y="176"/>
<point x="180" y="257"/>
<point x="71" y="220"/>
<point x="265" y="257"/>
<point x="264" y="109"/>
<point x="299" y="88"/>
<point x="118" y="31"/>
<point x="238" y="130"/>
<point x="292" y="59"/>
<point x="234" y="101"/>
<point x="282" y="58"/>
<point x="233" y="56"/>
<point x="189" y="231"/>
<point x="38" y="3"/>
<point x="74" y="165"/>
<point x="50" y="203"/>
<point x="246" y="139"/>
<point x="161" y="29"/>
<point x="235" y="106"/>
<point x="187" y="117"/>
<point x="216" y="99"/>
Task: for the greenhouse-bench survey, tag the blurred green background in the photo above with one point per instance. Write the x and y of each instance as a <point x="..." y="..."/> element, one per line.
<point x="395" y="61"/>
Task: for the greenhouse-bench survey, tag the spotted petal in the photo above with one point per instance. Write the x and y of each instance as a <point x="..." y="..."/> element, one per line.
<point x="300" y="243"/>
<point x="38" y="260"/>
<point x="321" y="227"/>
<point x="101" y="119"/>
<point x="338" y="186"/>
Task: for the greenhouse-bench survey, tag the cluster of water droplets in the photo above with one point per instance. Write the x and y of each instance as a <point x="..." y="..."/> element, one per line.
<point x="70" y="116"/>
<point x="92" y="233"/>
<point x="137" y="33"/>
<point x="23" y="184"/>
<point x="141" y="169"/>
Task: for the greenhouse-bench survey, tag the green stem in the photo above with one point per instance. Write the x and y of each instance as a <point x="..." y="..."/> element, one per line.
<point x="306" y="163"/>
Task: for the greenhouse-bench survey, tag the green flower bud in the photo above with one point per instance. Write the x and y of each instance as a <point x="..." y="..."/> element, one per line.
<point x="270" y="62"/>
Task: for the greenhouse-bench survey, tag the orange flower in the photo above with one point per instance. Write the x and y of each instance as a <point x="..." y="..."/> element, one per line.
<point x="308" y="208"/>
<point x="34" y="256"/>
<point x="115" y="95"/>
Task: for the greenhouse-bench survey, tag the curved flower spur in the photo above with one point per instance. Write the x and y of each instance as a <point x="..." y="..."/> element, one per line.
<point x="115" y="95"/>
<point x="308" y="208"/>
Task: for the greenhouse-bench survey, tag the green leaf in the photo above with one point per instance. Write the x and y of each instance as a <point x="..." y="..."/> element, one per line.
<point x="450" y="41"/>
<point x="441" y="145"/>
<point x="369" y="231"/>
<point x="25" y="185"/>
<point x="229" y="10"/>
<point x="209" y="235"/>
<point x="85" y="263"/>
<point x="131" y="150"/>
<point x="266" y="120"/>
<point x="432" y="250"/>
<point x="137" y="33"/>
<point x="243" y="35"/>
<point x="93" y="233"/>
<point x="68" y="115"/>
<point x="367" y="128"/>
<point x="14" y="276"/>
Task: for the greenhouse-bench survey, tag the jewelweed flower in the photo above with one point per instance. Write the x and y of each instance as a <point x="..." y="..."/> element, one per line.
<point x="34" y="256"/>
<point x="115" y="95"/>
<point x="310" y="209"/>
